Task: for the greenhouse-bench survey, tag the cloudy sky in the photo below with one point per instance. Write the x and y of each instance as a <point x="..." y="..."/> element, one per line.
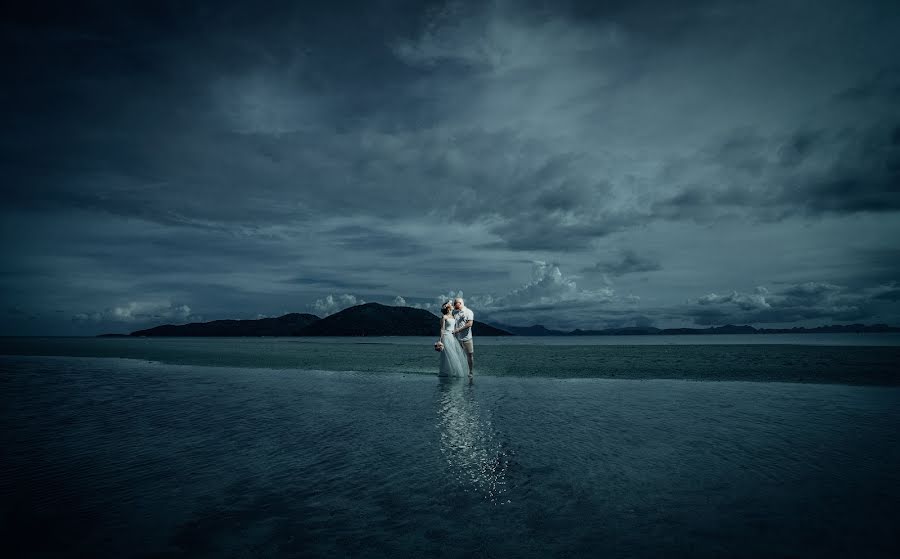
<point x="574" y="164"/>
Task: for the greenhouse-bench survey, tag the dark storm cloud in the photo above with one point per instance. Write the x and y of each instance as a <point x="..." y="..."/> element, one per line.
<point x="567" y="198"/>
<point x="216" y="105"/>
<point x="892" y="294"/>
<point x="865" y="178"/>
<point x="627" y="262"/>
<point x="332" y="282"/>
<point x="799" y="146"/>
<point x="271" y="122"/>
<point x="883" y="86"/>
<point x="116" y="248"/>
<point x="16" y="311"/>
<point x="807" y="173"/>
<point x="366" y="239"/>
<point x="234" y="159"/>
<point x="549" y="231"/>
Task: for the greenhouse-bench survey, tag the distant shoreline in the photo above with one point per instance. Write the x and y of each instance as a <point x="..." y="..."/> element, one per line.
<point x="564" y="335"/>
<point x="523" y="331"/>
<point x="375" y="319"/>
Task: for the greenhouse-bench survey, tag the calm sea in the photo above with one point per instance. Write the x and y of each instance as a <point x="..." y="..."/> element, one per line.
<point x="821" y="358"/>
<point x="280" y="447"/>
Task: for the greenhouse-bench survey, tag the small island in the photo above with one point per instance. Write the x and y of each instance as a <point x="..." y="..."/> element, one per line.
<point x="375" y="319"/>
<point x="369" y="319"/>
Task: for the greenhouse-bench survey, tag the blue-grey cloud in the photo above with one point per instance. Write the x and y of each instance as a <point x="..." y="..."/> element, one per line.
<point x="240" y="161"/>
<point x="334" y="283"/>
<point x="795" y="303"/>
<point x="626" y="262"/>
<point x="807" y="173"/>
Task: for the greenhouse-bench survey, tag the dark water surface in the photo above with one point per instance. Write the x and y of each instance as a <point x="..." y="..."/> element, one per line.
<point x="125" y="458"/>
<point x="852" y="359"/>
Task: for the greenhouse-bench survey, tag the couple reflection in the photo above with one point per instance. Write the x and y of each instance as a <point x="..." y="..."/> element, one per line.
<point x="475" y="454"/>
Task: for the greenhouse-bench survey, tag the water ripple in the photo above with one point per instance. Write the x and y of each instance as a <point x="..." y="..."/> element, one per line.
<point x="476" y="454"/>
<point x="119" y="458"/>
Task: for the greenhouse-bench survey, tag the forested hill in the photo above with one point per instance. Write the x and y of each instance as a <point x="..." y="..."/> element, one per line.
<point x="369" y="319"/>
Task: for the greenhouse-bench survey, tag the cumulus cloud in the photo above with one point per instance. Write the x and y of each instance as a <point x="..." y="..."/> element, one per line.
<point x="399" y="301"/>
<point x="547" y="295"/>
<point x="140" y="311"/>
<point x="438" y="300"/>
<point x="332" y="304"/>
<point x="795" y="303"/>
<point x="548" y="287"/>
<point x="743" y="301"/>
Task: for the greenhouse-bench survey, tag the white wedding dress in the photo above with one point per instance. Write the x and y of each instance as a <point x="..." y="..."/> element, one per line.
<point x="453" y="358"/>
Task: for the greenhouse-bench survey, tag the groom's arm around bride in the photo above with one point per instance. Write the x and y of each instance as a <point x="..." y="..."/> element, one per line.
<point x="465" y="318"/>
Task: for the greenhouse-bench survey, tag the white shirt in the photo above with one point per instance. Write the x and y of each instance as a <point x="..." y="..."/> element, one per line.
<point x="462" y="316"/>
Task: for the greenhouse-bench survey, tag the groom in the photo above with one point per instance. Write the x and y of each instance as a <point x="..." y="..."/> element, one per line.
<point x="465" y="318"/>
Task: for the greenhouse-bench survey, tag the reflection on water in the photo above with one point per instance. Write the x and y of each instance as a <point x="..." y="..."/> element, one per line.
<point x="130" y="459"/>
<point x="475" y="454"/>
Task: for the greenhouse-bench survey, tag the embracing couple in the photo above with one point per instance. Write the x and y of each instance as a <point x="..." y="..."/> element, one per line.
<point x="456" y="345"/>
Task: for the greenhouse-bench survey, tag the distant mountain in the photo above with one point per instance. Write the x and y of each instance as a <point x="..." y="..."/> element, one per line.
<point x="727" y="329"/>
<point x="624" y="331"/>
<point x="375" y="319"/>
<point x="370" y="319"/>
<point x="848" y="328"/>
<point x="538" y="330"/>
<point x="287" y="325"/>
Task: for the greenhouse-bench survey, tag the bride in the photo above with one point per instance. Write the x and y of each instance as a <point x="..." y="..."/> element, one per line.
<point x="453" y="359"/>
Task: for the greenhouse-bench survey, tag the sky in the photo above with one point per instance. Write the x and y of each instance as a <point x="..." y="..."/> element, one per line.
<point x="572" y="164"/>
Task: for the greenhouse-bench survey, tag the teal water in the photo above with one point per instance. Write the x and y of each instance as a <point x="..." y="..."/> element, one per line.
<point x="827" y="358"/>
<point x="122" y="458"/>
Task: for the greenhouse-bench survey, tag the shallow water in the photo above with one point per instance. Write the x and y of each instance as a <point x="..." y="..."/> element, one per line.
<point x="513" y="356"/>
<point x="123" y="458"/>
